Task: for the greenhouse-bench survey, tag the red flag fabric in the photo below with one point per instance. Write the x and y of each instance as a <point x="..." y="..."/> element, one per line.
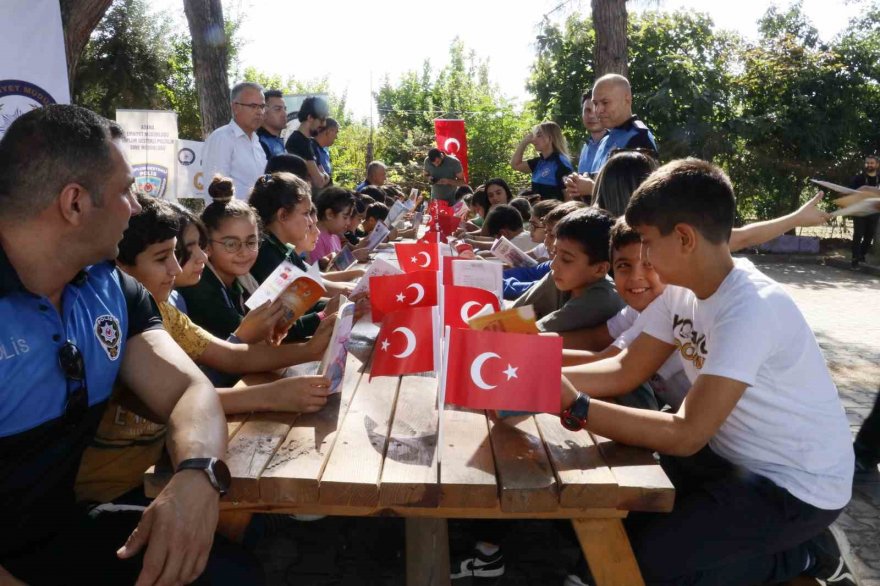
<point x="452" y="140"/>
<point x="431" y="236"/>
<point x="395" y="292"/>
<point x="500" y="370"/>
<point x="447" y="225"/>
<point x="405" y="343"/>
<point x="418" y="256"/>
<point x="461" y="303"/>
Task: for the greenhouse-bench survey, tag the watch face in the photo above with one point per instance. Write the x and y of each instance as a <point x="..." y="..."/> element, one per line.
<point x="222" y="474"/>
<point x="571" y="423"/>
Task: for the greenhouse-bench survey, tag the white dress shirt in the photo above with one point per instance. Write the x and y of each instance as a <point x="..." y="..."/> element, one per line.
<point x="229" y="152"/>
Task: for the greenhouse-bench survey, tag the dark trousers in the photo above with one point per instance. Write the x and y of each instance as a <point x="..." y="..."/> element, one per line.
<point x="729" y="527"/>
<point x="864" y="228"/>
<point x="867" y="444"/>
<point x="85" y="553"/>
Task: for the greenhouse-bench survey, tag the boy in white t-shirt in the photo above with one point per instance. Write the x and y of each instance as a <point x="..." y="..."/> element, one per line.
<point x="760" y="450"/>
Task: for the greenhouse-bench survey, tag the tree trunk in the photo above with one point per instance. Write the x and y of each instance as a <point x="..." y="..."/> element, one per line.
<point x="79" y="18"/>
<point x="210" y="61"/>
<point x="609" y="22"/>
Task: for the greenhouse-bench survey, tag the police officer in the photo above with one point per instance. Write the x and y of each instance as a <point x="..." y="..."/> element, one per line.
<point x="72" y="323"/>
<point x="612" y="98"/>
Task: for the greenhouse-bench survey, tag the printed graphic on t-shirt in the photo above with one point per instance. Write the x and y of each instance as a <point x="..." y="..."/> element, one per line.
<point x="691" y="344"/>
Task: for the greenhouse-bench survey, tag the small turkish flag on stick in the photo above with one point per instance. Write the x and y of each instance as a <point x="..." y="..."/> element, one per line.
<point x="498" y="370"/>
<point x="418" y="256"/>
<point x="405" y="344"/>
<point x="395" y="292"/>
<point x="461" y="303"/>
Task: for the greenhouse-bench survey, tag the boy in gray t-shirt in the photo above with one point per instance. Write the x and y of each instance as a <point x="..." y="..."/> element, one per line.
<point x="445" y="173"/>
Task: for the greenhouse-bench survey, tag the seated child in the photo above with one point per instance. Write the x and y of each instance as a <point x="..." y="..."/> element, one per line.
<point x="335" y="207"/>
<point x="577" y="291"/>
<point x="538" y="230"/>
<point x="760" y="450"/>
<point x="503" y="220"/>
<point x="518" y="280"/>
<point x="125" y="444"/>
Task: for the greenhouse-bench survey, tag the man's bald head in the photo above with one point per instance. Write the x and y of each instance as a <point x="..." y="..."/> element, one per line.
<point x="612" y="96"/>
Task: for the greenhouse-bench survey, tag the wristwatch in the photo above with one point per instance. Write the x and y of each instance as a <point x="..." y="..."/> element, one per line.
<point x="215" y="469"/>
<point x="575" y="417"/>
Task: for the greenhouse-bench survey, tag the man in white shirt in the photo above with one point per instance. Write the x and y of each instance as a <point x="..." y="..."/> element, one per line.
<point x="234" y="150"/>
<point x="760" y="451"/>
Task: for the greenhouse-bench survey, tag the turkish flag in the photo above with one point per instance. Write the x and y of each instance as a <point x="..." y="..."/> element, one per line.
<point x="452" y="140"/>
<point x="430" y="237"/>
<point x="418" y="256"/>
<point x="392" y="293"/>
<point x="460" y="303"/>
<point x="447" y="225"/>
<point x="500" y="370"/>
<point x="405" y="343"/>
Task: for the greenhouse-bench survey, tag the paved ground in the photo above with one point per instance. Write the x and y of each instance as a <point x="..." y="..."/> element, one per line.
<point x="842" y="306"/>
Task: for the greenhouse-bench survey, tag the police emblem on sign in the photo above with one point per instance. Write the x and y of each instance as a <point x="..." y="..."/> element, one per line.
<point x="150" y="179"/>
<point x="109" y="335"/>
<point x="18" y="97"/>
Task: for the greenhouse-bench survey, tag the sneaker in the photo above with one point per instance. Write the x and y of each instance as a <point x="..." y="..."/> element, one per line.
<point x="574" y="580"/>
<point x="478" y="565"/>
<point x="580" y="574"/>
<point x="833" y="558"/>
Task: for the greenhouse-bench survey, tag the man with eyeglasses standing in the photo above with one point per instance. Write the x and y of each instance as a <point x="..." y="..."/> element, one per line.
<point x="72" y="324"/>
<point x="274" y="122"/>
<point x="234" y="150"/>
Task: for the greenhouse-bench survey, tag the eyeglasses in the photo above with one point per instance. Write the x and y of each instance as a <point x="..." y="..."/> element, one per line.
<point x="71" y="361"/>
<point x="253" y="107"/>
<point x="233" y="245"/>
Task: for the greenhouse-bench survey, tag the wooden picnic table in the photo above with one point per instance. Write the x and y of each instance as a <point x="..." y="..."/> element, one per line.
<point x="373" y="451"/>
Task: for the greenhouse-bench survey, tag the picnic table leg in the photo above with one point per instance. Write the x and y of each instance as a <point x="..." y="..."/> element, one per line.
<point x="232" y="524"/>
<point x="608" y="552"/>
<point x="427" y="552"/>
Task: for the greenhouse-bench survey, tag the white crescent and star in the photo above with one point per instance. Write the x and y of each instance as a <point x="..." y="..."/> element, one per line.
<point x="454" y="141"/>
<point x="477" y="367"/>
<point x="420" y="292"/>
<point x="410" y="341"/>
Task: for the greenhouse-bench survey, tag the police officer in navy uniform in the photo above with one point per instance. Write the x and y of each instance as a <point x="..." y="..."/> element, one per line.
<point x="612" y="98"/>
<point x="72" y="323"/>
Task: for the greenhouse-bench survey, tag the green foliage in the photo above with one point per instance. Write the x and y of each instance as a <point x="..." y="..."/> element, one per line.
<point x="461" y="89"/>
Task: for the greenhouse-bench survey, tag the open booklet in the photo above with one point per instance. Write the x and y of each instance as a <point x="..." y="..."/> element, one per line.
<point x="482" y="274"/>
<point x="833" y="186"/>
<point x="379" y="233"/>
<point x="507" y="251"/>
<point x="862" y="207"/>
<point x="378" y="268"/>
<point x="519" y="320"/>
<point x="333" y="362"/>
<point x="398" y="210"/>
<point x="299" y="290"/>
<point x="343" y="259"/>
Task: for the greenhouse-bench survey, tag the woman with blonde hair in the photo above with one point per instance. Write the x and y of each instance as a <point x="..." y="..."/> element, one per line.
<point x="553" y="164"/>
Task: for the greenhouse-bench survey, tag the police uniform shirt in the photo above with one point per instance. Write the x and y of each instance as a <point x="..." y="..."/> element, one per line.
<point x="588" y="154"/>
<point x="272" y="145"/>
<point x="322" y="159"/>
<point x="632" y="134"/>
<point x="548" y="175"/>
<point x="40" y="449"/>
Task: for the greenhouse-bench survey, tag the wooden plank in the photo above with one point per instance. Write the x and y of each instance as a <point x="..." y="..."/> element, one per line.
<point x="467" y="466"/>
<point x="525" y="478"/>
<point x="351" y="476"/>
<point x="234" y="423"/>
<point x="409" y="472"/>
<point x="643" y="485"/>
<point x="251" y="449"/>
<point x="583" y="478"/>
<point x="608" y="552"/>
<point x="427" y="552"/>
<point x="291" y="476"/>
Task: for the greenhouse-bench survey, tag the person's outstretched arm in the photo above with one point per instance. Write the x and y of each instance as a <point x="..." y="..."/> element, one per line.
<point x="757" y="233"/>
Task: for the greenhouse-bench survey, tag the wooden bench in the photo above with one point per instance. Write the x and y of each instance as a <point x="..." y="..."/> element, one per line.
<point x="373" y="450"/>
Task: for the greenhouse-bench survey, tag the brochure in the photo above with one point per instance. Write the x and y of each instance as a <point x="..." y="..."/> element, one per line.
<point x="833" y="186"/>
<point x="865" y="207"/>
<point x="483" y="274"/>
<point x="507" y="251"/>
<point x="378" y="268"/>
<point x="333" y="362"/>
<point x="298" y="290"/>
<point x="520" y="320"/>
<point x="379" y="233"/>
<point x="398" y="209"/>
<point x="343" y="259"/>
<point x="860" y="195"/>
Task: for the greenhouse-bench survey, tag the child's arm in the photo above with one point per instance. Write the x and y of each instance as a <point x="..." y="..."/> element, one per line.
<point x="298" y="394"/>
<point x="760" y="232"/>
<point x="593" y="339"/>
<point x="575" y="357"/>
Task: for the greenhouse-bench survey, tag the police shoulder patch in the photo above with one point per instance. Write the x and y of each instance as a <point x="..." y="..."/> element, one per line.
<point x="109" y="334"/>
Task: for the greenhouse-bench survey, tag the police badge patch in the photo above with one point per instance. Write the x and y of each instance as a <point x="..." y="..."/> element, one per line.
<point x="18" y="97"/>
<point x="108" y="333"/>
<point x="150" y="179"/>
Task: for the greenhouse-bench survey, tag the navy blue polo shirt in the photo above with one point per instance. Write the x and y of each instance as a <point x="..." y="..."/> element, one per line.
<point x="548" y="175"/>
<point x="322" y="159"/>
<point x="40" y="451"/>
<point x="588" y="154"/>
<point x="632" y="134"/>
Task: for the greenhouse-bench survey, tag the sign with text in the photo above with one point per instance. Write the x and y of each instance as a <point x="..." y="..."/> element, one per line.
<point x="151" y="149"/>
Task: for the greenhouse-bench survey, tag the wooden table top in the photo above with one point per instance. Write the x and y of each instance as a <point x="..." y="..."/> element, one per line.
<point x="373" y="450"/>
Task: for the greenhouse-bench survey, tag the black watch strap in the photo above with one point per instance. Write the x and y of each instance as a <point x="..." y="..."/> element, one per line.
<point x="214" y="468"/>
<point x="575" y="417"/>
